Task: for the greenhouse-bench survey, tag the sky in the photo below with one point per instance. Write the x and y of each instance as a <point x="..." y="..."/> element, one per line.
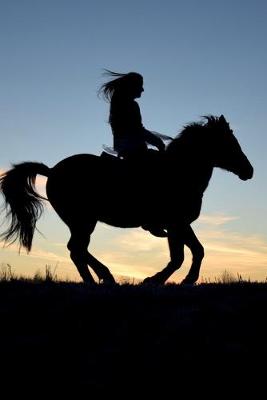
<point x="197" y="58"/>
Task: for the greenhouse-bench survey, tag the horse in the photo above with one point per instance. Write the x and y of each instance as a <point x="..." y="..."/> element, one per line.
<point x="165" y="189"/>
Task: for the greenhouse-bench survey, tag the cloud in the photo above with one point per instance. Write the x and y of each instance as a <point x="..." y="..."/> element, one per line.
<point x="142" y="240"/>
<point x="35" y="252"/>
<point x="48" y="255"/>
<point x="216" y="219"/>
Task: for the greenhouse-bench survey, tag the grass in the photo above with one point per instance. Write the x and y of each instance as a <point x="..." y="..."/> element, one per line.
<point x="7" y="274"/>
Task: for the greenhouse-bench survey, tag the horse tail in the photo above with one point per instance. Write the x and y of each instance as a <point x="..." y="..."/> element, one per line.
<point x="22" y="204"/>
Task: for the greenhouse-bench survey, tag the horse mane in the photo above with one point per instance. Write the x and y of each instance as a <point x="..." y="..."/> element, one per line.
<point x="192" y="131"/>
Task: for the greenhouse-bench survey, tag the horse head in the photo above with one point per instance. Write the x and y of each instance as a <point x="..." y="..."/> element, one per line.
<point x="227" y="152"/>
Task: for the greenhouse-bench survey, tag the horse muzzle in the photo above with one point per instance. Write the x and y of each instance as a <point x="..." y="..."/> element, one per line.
<point x="246" y="173"/>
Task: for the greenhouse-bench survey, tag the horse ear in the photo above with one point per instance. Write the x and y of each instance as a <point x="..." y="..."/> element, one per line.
<point x="222" y="118"/>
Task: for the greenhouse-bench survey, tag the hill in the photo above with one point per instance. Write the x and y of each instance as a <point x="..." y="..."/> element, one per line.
<point x="108" y="337"/>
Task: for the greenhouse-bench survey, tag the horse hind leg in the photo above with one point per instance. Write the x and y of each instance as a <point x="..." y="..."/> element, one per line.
<point x="77" y="245"/>
<point x="100" y="269"/>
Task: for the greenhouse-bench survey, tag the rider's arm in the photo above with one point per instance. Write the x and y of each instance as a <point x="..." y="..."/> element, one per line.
<point x="154" y="140"/>
<point x="149" y="137"/>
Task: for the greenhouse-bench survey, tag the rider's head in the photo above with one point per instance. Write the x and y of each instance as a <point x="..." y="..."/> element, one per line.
<point x="127" y="85"/>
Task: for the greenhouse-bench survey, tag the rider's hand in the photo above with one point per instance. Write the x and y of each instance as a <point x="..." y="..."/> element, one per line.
<point x="161" y="147"/>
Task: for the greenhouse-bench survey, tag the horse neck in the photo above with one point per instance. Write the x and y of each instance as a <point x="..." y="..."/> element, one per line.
<point x="194" y="166"/>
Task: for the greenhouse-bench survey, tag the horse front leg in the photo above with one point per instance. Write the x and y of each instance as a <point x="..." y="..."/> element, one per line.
<point x="176" y="239"/>
<point x="197" y="250"/>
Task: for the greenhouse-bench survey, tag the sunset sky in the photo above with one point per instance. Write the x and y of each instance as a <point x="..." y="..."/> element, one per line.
<point x="197" y="58"/>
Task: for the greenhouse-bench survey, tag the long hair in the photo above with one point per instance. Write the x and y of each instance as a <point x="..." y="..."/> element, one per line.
<point x="121" y="83"/>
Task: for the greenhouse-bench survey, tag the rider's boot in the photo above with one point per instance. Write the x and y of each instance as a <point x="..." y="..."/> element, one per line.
<point x="155" y="230"/>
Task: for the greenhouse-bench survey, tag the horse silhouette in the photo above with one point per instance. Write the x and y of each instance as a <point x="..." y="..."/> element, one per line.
<point x="84" y="189"/>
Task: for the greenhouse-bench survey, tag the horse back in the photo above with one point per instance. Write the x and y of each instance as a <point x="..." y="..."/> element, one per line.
<point x="94" y="174"/>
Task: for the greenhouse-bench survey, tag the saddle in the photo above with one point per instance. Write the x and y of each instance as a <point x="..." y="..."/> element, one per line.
<point x="151" y="157"/>
<point x="109" y="156"/>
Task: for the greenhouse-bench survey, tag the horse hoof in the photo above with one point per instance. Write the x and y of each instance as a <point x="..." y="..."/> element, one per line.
<point x="152" y="282"/>
<point x="109" y="281"/>
<point x="148" y="281"/>
<point x="187" y="282"/>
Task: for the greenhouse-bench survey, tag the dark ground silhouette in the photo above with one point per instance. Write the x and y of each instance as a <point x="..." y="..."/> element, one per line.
<point x="128" y="339"/>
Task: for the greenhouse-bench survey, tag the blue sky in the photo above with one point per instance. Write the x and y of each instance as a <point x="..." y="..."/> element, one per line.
<point x="197" y="58"/>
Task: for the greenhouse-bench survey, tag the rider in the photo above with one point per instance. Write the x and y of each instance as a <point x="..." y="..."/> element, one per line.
<point x="130" y="137"/>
